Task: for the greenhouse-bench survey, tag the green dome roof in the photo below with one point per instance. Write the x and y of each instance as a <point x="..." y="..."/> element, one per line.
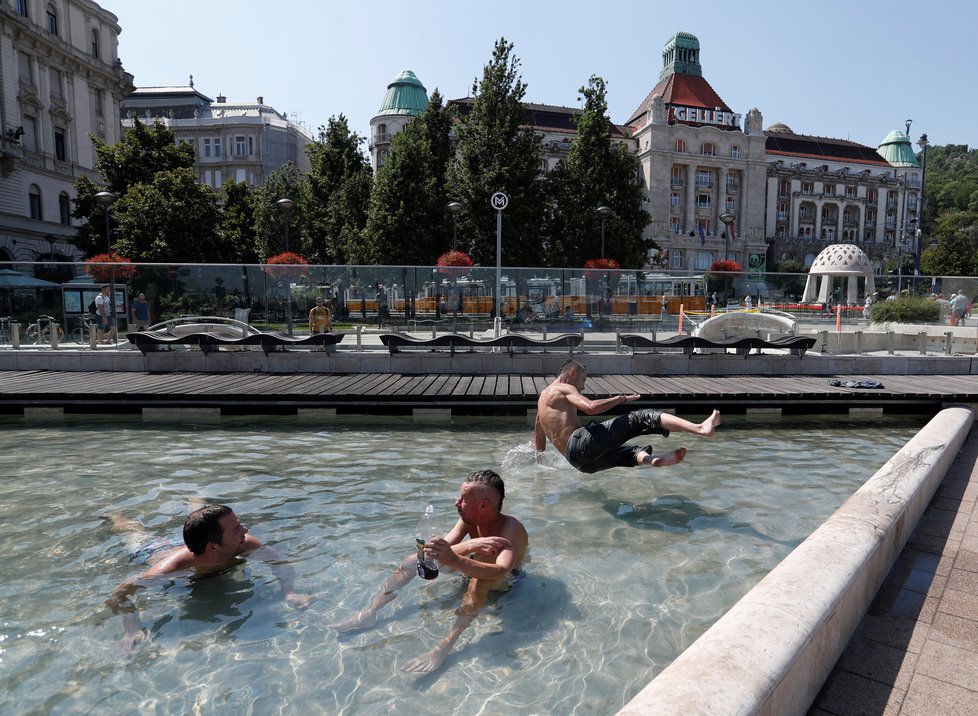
<point x="405" y="96"/>
<point x="897" y="150"/>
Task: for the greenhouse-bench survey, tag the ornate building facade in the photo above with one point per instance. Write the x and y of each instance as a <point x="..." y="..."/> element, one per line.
<point x="61" y="82"/>
<point x="243" y="141"/>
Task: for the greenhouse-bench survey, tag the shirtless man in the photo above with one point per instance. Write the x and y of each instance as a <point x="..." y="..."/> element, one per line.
<point x="214" y="539"/>
<point x="491" y="557"/>
<point x="600" y="446"/>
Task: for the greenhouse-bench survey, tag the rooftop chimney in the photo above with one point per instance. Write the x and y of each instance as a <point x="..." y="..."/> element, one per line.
<point x="261" y="100"/>
<point x="221" y="99"/>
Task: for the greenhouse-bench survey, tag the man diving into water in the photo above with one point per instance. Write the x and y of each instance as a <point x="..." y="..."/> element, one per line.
<point x="601" y="446"/>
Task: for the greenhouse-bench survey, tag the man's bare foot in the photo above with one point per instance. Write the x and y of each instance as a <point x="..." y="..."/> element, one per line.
<point x="362" y="620"/>
<point x="709" y="425"/>
<point x="427" y="662"/>
<point x="645" y="457"/>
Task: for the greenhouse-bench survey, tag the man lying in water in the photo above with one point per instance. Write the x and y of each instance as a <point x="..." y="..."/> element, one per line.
<point x="600" y="446"/>
<point x="214" y="539"/>
<point x="491" y="556"/>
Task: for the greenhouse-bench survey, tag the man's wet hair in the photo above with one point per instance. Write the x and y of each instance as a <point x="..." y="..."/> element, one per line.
<point x="489" y="479"/>
<point x="568" y="365"/>
<point x="202" y="527"/>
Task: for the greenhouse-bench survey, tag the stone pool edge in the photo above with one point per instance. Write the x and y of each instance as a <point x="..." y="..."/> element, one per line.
<point x="772" y="651"/>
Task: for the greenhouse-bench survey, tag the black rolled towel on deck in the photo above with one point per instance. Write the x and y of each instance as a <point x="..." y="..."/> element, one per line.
<point x="855" y="383"/>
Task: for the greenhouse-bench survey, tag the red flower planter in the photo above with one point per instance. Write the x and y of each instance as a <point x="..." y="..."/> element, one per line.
<point x="454" y="264"/>
<point x="103" y="267"/>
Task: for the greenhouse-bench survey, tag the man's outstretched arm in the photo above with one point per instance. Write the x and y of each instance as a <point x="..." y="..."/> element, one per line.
<point x="282" y="570"/>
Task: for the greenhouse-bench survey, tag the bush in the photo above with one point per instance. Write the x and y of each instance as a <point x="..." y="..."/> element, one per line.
<point x="906" y="310"/>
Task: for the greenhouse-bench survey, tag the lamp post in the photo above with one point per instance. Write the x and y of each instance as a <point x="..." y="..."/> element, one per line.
<point x="727" y="218"/>
<point x="455" y="208"/>
<point x="604" y="212"/>
<point x="923" y="144"/>
<point x="286" y="206"/>
<point x="106" y="199"/>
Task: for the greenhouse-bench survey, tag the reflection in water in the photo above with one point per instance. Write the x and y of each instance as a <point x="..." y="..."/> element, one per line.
<point x="628" y="567"/>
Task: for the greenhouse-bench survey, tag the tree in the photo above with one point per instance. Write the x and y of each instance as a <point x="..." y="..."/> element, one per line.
<point x="136" y="160"/>
<point x="956" y="253"/>
<point x="236" y="226"/>
<point x="496" y="151"/>
<point x="286" y="182"/>
<point x="598" y="171"/>
<point x="407" y="222"/>
<point x="339" y="185"/>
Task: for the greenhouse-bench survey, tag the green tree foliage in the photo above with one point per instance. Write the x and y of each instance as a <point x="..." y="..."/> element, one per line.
<point x="598" y="171"/>
<point x="496" y="151"/>
<point x="286" y="182"/>
<point x="408" y="222"/>
<point x="339" y="181"/>
<point x="956" y="252"/>
<point x="236" y="227"/>
<point x="170" y="219"/>
<point x="136" y="160"/>
<point x="950" y="212"/>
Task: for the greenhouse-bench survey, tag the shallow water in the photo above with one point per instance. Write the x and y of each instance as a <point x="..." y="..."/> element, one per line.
<point x="627" y="567"/>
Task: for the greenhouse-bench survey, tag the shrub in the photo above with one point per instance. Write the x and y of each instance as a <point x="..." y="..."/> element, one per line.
<point x="911" y="309"/>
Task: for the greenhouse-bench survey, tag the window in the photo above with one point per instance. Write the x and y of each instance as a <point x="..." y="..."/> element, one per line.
<point x="95" y="44"/>
<point x="708" y="149"/>
<point x="30" y="133"/>
<point x="64" y="208"/>
<point x="677" y="176"/>
<point x="730" y="204"/>
<point x="251" y="146"/>
<point x="807" y="188"/>
<point x="674" y="225"/>
<point x="735" y="152"/>
<point x="829" y="190"/>
<point x="702" y="201"/>
<point x="871" y="196"/>
<point x="52" y="20"/>
<point x="703" y="225"/>
<point x="784" y="188"/>
<point x="703" y="260"/>
<point x="34" y="202"/>
<point x="25" y="69"/>
<point x="674" y="199"/>
<point x="22" y="8"/>
<point x="912" y="201"/>
<point x="731" y="182"/>
<point x="207" y="149"/>
<point x="55" y="78"/>
<point x="704" y="178"/>
<point x="217" y="147"/>
<point x="99" y="100"/>
<point x="676" y="259"/>
<point x="60" y="152"/>
<point x="239" y="146"/>
<point x="782" y="211"/>
<point x="680" y="146"/>
<point x="850" y="192"/>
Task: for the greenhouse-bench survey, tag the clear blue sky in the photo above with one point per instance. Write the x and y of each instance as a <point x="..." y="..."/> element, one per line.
<point x="851" y="69"/>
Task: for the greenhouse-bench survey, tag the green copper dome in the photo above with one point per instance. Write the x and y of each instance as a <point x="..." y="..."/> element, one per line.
<point x="405" y="96"/>
<point x="897" y="150"/>
<point x="681" y="56"/>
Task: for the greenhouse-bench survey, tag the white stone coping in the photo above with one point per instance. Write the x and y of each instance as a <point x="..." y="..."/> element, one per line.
<point x="771" y="653"/>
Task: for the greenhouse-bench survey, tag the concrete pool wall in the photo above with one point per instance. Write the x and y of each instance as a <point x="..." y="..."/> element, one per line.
<point x="773" y="650"/>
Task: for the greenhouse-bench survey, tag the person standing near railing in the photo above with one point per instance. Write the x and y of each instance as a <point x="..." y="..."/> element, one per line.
<point x="320" y="318"/>
<point x="139" y="314"/>
<point x="106" y="316"/>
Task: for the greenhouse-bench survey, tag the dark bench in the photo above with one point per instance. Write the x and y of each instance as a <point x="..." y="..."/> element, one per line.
<point x="796" y="345"/>
<point x="208" y="342"/>
<point x="395" y="342"/>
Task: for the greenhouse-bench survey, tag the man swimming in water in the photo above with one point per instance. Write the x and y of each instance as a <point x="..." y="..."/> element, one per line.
<point x="600" y="446"/>
<point x="491" y="557"/>
<point x="214" y="539"/>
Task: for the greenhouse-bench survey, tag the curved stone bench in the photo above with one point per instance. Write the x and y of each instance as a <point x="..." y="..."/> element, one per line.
<point x="396" y="342"/>
<point x="209" y="341"/>
<point x="796" y="345"/>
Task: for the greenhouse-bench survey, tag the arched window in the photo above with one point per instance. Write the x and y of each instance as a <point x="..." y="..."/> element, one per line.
<point x="22" y="8"/>
<point x="34" y="201"/>
<point x="52" y="20"/>
<point x="735" y="152"/>
<point x="680" y="146"/>
<point x="95" y="44"/>
<point x="64" y="208"/>
<point x="708" y="149"/>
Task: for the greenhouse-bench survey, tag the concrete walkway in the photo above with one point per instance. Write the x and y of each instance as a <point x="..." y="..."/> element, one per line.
<point x="916" y="650"/>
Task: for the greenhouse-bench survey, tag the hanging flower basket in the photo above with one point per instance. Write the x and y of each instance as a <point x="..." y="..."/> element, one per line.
<point x="596" y="268"/>
<point x="454" y="264"/>
<point x="105" y="267"/>
<point x="726" y="266"/>
<point x="286" y="265"/>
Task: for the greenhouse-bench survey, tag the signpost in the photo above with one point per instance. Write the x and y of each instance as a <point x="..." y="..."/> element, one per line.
<point x="499" y="201"/>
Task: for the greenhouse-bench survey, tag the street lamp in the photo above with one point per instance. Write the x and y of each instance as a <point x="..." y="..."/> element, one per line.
<point x="286" y="206"/>
<point x="455" y="208"/>
<point x="106" y="199"/>
<point x="604" y="212"/>
<point x="727" y="218"/>
<point x="923" y="144"/>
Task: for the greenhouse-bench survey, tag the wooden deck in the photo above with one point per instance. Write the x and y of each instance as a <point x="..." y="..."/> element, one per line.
<point x="462" y="394"/>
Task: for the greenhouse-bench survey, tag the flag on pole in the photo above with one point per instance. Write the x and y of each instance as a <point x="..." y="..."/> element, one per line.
<point x="702" y="235"/>
<point x="733" y="236"/>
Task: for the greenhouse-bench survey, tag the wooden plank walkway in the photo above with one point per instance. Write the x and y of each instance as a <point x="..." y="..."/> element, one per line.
<point x="394" y="392"/>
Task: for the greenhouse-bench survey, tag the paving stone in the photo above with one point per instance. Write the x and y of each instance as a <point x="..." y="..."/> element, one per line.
<point x="960" y="604"/>
<point x="955" y="631"/>
<point x="848" y="693"/>
<point x="950" y="664"/>
<point x="879" y="662"/>
<point x="931" y="697"/>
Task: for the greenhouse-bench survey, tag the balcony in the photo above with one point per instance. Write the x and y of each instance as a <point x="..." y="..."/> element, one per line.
<point x="732" y="186"/>
<point x="890" y="224"/>
<point x="704" y="184"/>
<point x="676" y="182"/>
<point x="782" y="216"/>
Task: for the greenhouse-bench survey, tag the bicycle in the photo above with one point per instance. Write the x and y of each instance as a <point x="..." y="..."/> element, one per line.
<point x="40" y="331"/>
<point x="81" y="334"/>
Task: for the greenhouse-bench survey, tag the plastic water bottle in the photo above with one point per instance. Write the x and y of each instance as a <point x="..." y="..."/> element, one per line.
<point x="427" y="526"/>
